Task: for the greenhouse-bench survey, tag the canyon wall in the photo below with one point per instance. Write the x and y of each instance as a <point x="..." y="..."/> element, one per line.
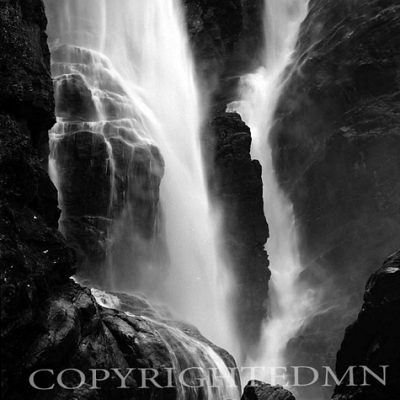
<point x="337" y="147"/>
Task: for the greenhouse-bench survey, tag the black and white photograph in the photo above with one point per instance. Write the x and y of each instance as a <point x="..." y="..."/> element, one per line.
<point x="200" y="199"/>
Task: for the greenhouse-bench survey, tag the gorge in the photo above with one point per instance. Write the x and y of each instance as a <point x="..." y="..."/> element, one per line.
<point x="173" y="132"/>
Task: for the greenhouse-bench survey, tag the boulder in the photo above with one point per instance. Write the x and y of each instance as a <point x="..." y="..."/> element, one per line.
<point x="256" y="390"/>
<point x="73" y="331"/>
<point x="74" y="99"/>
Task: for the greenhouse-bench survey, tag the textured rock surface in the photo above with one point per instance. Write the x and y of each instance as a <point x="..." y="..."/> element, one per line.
<point x="26" y="91"/>
<point x="73" y="331"/>
<point x="33" y="255"/>
<point x="337" y="148"/>
<point x="108" y="177"/>
<point x="373" y="340"/>
<point x="256" y="390"/>
<point x="237" y="183"/>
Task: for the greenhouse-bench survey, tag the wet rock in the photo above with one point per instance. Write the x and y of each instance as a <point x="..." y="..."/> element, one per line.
<point x="107" y="187"/>
<point x="107" y="174"/>
<point x="256" y="390"/>
<point x="84" y="174"/>
<point x="75" y="332"/>
<point x="74" y="98"/>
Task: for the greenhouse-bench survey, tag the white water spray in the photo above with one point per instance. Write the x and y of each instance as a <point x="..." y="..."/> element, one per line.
<point x="290" y="302"/>
<point x="142" y="45"/>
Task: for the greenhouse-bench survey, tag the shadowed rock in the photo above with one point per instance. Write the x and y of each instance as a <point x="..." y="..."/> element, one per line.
<point x="236" y="182"/>
<point x="256" y="390"/>
<point x="336" y="144"/>
<point x="373" y="340"/>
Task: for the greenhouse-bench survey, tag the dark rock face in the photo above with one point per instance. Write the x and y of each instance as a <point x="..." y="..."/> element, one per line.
<point x="256" y="390"/>
<point x="336" y="144"/>
<point x="237" y="184"/>
<point x="33" y="255"/>
<point x="26" y="85"/>
<point x="74" y="99"/>
<point x="373" y="340"/>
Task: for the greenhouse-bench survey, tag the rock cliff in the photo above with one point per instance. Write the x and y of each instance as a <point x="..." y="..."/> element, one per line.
<point x="336" y="147"/>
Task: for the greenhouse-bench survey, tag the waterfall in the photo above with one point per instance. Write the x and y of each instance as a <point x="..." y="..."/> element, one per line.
<point x="290" y="301"/>
<point x="140" y="110"/>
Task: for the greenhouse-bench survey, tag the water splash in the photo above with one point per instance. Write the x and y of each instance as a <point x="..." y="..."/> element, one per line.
<point x="134" y="59"/>
<point x="291" y="302"/>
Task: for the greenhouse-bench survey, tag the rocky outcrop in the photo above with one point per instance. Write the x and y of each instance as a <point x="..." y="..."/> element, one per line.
<point x="256" y="390"/>
<point x="237" y="184"/>
<point x="373" y="340"/>
<point x="336" y="146"/>
<point x="74" y="332"/>
<point x="108" y="177"/>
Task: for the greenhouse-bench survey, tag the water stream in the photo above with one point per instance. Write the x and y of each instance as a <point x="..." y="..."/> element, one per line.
<point x="127" y="68"/>
<point x="290" y="301"/>
<point x="129" y="108"/>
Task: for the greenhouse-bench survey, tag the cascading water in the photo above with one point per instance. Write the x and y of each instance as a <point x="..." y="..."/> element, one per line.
<point x="188" y="353"/>
<point x="131" y="63"/>
<point x="290" y="302"/>
<point x="198" y="371"/>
